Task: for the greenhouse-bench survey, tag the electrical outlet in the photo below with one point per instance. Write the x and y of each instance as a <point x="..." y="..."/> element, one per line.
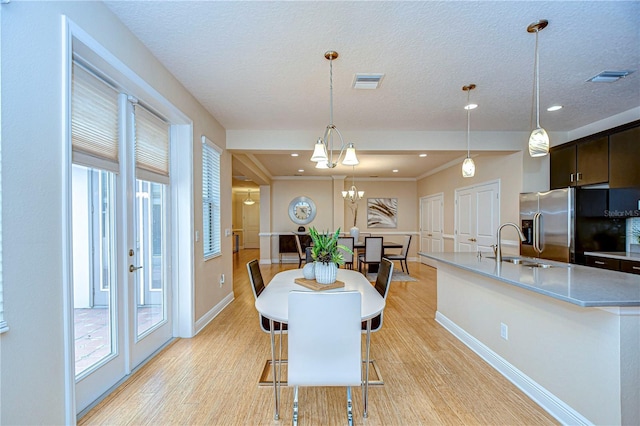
<point x="504" y="331"/>
<point x="221" y="279"/>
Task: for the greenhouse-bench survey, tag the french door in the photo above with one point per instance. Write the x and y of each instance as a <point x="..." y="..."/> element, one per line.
<point x="120" y="250"/>
<point x="477" y="217"/>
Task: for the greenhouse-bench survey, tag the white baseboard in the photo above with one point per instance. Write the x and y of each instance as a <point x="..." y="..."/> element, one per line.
<point x="209" y="316"/>
<point x="545" y="399"/>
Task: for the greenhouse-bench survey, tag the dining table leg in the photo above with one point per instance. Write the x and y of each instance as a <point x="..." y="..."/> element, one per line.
<point x="275" y="367"/>
<point x="365" y="392"/>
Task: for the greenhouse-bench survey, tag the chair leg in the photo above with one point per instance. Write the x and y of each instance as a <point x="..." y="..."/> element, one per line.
<point x="295" y="406"/>
<point x="406" y="266"/>
<point x="349" y="407"/>
<point x="299" y="263"/>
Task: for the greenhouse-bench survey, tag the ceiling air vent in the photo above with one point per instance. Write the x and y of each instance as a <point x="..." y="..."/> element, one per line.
<point x="609" y="76"/>
<point x="367" y="80"/>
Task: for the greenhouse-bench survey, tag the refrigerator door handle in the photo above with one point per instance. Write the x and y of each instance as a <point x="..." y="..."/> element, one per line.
<point x="536" y="232"/>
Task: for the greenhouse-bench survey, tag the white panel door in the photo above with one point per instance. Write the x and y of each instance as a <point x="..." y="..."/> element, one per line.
<point x="251" y="225"/>
<point x="466" y="220"/>
<point x="437" y="223"/>
<point x="431" y="226"/>
<point x="477" y="217"/>
<point x="488" y="217"/>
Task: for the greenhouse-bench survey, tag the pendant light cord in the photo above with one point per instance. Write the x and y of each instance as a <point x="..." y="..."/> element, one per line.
<point x="468" y="123"/>
<point x="537" y="82"/>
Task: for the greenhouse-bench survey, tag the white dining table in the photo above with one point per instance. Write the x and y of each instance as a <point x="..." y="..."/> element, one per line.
<point x="273" y="303"/>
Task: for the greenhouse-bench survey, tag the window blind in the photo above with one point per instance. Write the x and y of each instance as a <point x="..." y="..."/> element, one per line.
<point x="94" y="117"/>
<point x="211" y="199"/>
<point x="152" y="143"/>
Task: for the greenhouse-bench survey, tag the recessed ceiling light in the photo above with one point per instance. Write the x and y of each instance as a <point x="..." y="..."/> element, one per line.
<point x="423" y="155"/>
<point x="395" y="170"/>
<point x="300" y="170"/>
<point x="554" y="108"/>
<point x="294" y="154"/>
<point x="471" y="106"/>
<point x="609" y="76"/>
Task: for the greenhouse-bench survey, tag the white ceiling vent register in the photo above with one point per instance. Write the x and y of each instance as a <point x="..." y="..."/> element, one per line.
<point x="367" y="80"/>
<point x="609" y="76"/>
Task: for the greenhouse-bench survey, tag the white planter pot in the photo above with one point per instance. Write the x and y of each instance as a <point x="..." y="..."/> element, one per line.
<point x="326" y="273"/>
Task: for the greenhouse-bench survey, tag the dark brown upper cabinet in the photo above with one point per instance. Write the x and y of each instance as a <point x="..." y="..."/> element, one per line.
<point x="624" y="157"/>
<point x="562" y="163"/>
<point x="578" y="164"/>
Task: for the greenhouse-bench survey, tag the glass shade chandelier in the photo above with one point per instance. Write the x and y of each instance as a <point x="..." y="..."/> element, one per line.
<point x="323" y="154"/>
<point x="353" y="195"/>
<point x="468" y="166"/>
<point x="248" y="201"/>
<point x="539" y="139"/>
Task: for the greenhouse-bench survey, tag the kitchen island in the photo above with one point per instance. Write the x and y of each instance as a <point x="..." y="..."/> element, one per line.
<point x="567" y="335"/>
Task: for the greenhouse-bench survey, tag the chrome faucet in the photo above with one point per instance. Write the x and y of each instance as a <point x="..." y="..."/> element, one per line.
<point x="498" y="249"/>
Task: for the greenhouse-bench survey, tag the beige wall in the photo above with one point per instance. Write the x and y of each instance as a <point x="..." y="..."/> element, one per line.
<point x="321" y="192"/>
<point x="507" y="168"/>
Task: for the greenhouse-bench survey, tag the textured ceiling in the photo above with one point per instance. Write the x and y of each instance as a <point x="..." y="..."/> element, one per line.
<point x="261" y="65"/>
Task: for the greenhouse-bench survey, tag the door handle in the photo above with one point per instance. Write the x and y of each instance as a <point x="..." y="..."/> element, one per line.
<point x="571" y="177"/>
<point x="134" y="268"/>
<point x="597" y="262"/>
<point x="472" y="239"/>
<point x="578" y="176"/>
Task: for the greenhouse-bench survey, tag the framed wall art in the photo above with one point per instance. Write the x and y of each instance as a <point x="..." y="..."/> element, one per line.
<point x="382" y="212"/>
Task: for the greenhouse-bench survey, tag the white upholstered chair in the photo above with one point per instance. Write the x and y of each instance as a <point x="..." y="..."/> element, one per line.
<point x="324" y="352"/>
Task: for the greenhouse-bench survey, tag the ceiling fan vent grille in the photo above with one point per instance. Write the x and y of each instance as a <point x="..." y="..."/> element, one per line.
<point x="609" y="76"/>
<point x="367" y="80"/>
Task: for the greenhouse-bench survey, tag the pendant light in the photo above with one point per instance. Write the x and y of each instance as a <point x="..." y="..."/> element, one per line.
<point x="248" y="201"/>
<point x="323" y="150"/>
<point x="539" y="139"/>
<point x="468" y="166"/>
<point x="353" y="195"/>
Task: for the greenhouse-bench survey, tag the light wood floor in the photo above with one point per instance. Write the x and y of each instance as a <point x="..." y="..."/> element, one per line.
<point x="430" y="377"/>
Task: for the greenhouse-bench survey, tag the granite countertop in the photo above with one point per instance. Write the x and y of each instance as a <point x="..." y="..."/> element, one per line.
<point x="634" y="257"/>
<point x="577" y="284"/>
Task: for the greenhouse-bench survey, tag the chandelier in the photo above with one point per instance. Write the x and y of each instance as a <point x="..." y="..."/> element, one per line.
<point x="323" y="151"/>
<point x="248" y="201"/>
<point x="539" y="139"/>
<point x="468" y="166"/>
<point x="353" y="195"/>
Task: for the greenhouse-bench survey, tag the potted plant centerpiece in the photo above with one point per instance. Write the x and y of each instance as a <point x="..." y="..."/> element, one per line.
<point x="326" y="254"/>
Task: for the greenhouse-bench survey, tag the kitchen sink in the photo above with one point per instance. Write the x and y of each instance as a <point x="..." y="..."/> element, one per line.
<point x="524" y="262"/>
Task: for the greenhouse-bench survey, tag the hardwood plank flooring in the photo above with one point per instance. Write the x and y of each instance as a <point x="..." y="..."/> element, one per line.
<point x="430" y="377"/>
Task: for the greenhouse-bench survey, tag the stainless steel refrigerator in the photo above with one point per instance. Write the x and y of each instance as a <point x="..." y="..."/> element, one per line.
<point x="547" y="220"/>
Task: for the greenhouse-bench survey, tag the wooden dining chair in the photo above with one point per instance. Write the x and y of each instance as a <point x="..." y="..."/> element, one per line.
<point x="302" y="256"/>
<point x="348" y="257"/>
<point x="327" y="352"/>
<point x="402" y="257"/>
<point x="257" y="285"/>
<point x="382" y="284"/>
<point x="372" y="252"/>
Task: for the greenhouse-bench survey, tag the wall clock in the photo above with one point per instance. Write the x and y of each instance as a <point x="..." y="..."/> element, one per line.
<point x="302" y="210"/>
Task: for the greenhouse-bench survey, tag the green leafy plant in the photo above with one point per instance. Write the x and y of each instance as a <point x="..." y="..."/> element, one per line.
<point x="325" y="247"/>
